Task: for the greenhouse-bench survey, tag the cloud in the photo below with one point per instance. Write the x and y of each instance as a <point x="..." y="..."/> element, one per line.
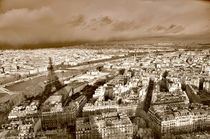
<point x="38" y="21"/>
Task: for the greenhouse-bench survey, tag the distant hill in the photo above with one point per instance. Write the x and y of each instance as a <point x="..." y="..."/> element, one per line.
<point x="200" y="39"/>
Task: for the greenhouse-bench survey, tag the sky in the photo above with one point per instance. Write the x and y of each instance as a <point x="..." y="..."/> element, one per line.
<point x="48" y="21"/>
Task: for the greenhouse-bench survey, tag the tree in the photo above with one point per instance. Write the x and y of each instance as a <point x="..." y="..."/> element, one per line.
<point x="165" y="74"/>
<point x="99" y="68"/>
<point x="3" y="69"/>
<point x="121" y="71"/>
<point x="119" y="101"/>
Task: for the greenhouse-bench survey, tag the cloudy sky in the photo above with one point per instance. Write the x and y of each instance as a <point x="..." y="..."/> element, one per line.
<point x="44" y="21"/>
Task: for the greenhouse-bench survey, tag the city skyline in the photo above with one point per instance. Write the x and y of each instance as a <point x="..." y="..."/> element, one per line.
<point x="104" y="69"/>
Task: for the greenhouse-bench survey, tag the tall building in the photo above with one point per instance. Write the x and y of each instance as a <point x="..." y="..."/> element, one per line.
<point x="206" y="85"/>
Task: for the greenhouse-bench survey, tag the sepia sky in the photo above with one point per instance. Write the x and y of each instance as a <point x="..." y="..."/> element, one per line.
<point x="47" y="21"/>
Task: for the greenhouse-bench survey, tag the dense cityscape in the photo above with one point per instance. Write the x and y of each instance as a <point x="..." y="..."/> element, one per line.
<point x="146" y="92"/>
